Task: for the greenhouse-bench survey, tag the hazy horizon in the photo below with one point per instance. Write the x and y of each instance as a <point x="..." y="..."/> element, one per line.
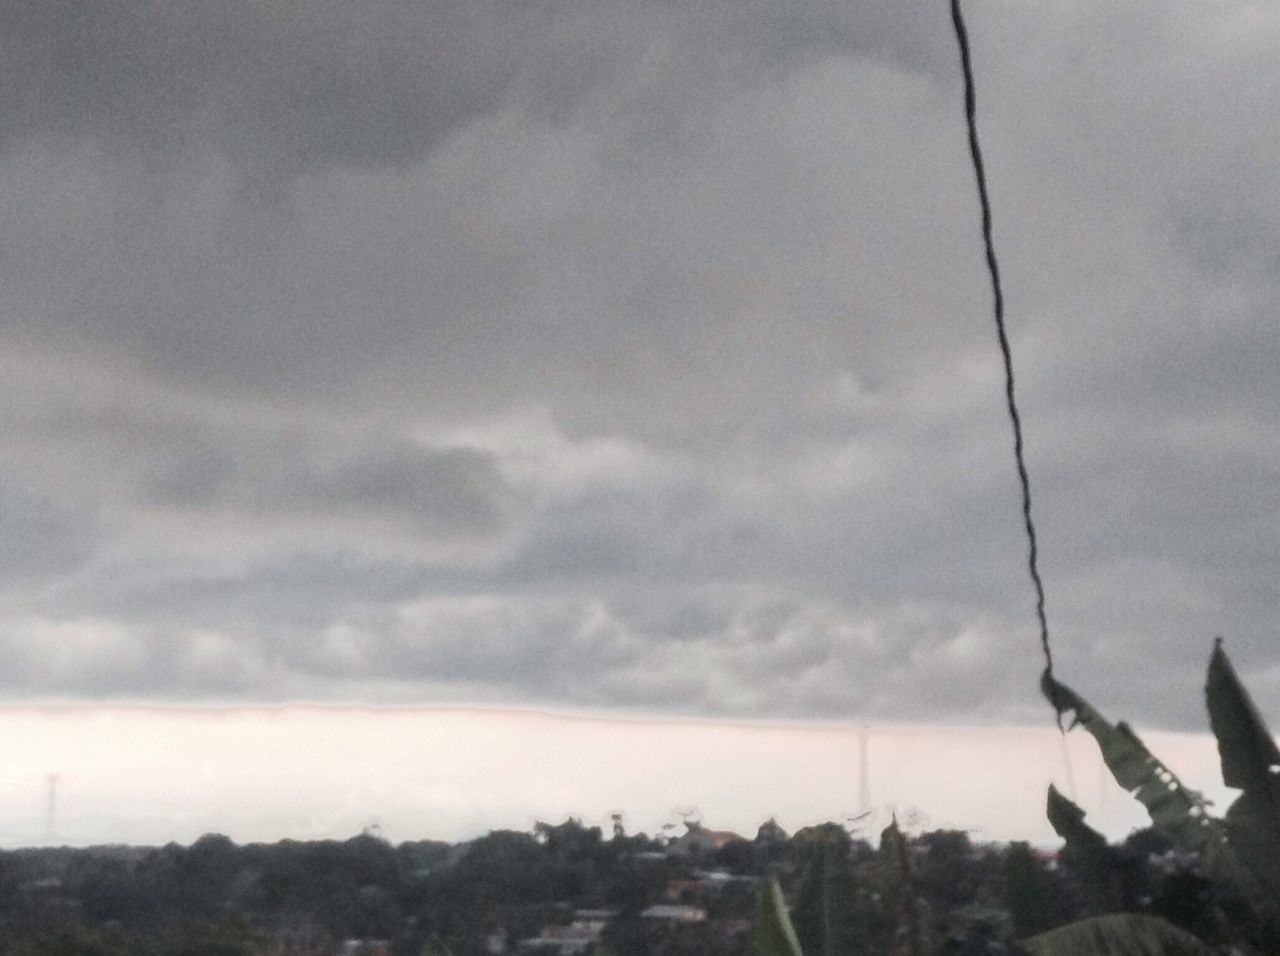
<point x="306" y="772"/>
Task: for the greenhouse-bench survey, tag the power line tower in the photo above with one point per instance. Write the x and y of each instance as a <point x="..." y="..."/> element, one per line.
<point x="51" y="809"/>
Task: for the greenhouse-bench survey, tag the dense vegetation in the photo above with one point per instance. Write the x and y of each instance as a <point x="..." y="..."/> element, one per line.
<point x="215" y="897"/>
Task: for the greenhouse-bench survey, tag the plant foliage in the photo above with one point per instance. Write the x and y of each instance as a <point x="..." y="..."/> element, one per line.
<point x="1177" y="811"/>
<point x="1123" y="934"/>
<point x="1250" y="761"/>
<point x="775" y="936"/>
<point x="1241" y="851"/>
<point x="826" y="913"/>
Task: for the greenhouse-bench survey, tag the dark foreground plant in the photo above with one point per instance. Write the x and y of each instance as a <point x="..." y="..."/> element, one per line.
<point x="1238" y="854"/>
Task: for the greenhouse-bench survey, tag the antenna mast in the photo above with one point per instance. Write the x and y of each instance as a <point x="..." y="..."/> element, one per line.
<point x="51" y="809"/>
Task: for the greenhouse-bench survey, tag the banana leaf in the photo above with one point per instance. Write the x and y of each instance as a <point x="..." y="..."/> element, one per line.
<point x="1177" y="811"/>
<point x="1119" y="934"/>
<point x="1250" y="761"/>
<point x="827" y="917"/>
<point x="1247" y="748"/>
<point x="1182" y="814"/>
<point x="775" y="936"/>
<point x="1099" y="868"/>
<point x="1067" y="821"/>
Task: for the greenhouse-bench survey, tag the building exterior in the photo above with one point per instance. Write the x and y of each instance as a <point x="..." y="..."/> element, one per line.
<point x="697" y="841"/>
<point x="675" y="913"/>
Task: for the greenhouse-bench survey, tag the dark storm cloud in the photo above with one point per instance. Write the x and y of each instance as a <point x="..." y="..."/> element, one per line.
<point x="40" y="538"/>
<point x="444" y="491"/>
<point x="284" y="89"/>
<point x="170" y="453"/>
<point x="280" y="88"/>
<point x="633" y="355"/>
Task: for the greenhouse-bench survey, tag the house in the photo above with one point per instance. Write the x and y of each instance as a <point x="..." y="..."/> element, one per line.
<point x="698" y="840"/>
<point x="675" y="913"/>
<point x="677" y="891"/>
<point x="580" y="936"/>
<point x="720" y="877"/>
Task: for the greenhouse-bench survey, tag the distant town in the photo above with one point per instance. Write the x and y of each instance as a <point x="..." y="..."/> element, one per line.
<point x="569" y="890"/>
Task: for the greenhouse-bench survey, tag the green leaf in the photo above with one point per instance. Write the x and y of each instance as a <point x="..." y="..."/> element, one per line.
<point x="1096" y="865"/>
<point x="1180" y="813"/>
<point x="1122" y="934"/>
<point x="1247" y="748"/>
<point x="1254" y="833"/>
<point x="1250" y="761"/>
<point x="826" y="916"/>
<point x="775" y="936"/>
<point x="1067" y="821"/>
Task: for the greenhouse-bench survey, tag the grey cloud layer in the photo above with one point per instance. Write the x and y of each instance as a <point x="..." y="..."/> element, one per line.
<point x="285" y="90"/>
<point x="623" y="355"/>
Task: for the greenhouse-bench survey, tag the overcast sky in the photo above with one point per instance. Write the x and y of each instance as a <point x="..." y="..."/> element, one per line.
<point x="635" y="357"/>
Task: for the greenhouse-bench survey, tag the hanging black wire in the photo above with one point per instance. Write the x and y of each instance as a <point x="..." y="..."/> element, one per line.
<point x="975" y="151"/>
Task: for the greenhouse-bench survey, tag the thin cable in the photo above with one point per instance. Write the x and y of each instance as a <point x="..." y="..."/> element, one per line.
<point x="975" y="151"/>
